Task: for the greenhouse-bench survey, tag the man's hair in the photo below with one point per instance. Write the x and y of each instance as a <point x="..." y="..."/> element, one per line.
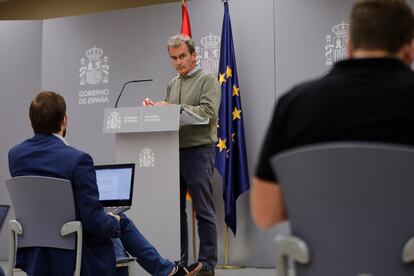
<point x="46" y="112"/>
<point x="381" y="25"/>
<point x="176" y="40"/>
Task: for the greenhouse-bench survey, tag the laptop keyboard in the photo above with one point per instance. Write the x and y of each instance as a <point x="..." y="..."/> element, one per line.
<point x="116" y="210"/>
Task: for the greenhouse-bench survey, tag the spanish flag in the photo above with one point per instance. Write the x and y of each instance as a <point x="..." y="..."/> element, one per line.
<point x="185" y="22"/>
<point x="185" y="30"/>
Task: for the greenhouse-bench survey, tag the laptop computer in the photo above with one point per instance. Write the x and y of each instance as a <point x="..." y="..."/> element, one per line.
<point x="115" y="185"/>
<point x="3" y="214"/>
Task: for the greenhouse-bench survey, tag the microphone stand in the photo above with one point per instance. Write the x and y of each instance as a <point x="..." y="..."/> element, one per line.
<point x="125" y="84"/>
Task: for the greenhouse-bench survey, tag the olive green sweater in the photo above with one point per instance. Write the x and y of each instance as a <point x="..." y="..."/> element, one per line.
<point x="198" y="92"/>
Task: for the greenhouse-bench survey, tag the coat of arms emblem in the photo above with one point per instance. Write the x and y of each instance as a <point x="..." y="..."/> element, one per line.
<point x="208" y="55"/>
<point x="336" y="44"/>
<point x="113" y="121"/>
<point x="146" y="158"/>
<point x="94" y="68"/>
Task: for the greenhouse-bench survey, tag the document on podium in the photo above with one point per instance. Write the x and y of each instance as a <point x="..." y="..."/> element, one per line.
<point x="188" y="117"/>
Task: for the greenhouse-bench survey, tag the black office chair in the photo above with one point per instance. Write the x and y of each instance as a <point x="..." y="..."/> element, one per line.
<point x="350" y="207"/>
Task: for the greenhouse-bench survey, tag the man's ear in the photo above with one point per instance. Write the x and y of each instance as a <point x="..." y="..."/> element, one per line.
<point x="64" y="122"/>
<point x="410" y="53"/>
<point x="406" y="53"/>
<point x="350" y="48"/>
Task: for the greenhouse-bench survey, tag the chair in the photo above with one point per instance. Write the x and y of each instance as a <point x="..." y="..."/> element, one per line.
<point x="351" y="209"/>
<point x="30" y="196"/>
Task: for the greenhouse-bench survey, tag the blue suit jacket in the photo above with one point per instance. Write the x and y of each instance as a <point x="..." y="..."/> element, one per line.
<point x="47" y="155"/>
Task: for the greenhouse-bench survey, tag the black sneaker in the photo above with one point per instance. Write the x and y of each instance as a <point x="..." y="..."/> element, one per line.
<point x="179" y="270"/>
<point x="206" y="270"/>
<point x="194" y="269"/>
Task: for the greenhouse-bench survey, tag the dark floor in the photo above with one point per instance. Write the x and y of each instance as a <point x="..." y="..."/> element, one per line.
<point x="219" y="272"/>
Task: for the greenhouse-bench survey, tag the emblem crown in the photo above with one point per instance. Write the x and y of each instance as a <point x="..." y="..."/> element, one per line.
<point x="341" y="29"/>
<point x="94" y="53"/>
<point x="210" y="41"/>
<point x="146" y="151"/>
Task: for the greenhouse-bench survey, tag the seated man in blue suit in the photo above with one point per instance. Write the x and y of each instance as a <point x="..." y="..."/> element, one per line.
<point x="48" y="154"/>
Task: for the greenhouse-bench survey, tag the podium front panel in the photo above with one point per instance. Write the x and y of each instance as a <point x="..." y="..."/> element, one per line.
<point x="156" y="206"/>
<point x="141" y="119"/>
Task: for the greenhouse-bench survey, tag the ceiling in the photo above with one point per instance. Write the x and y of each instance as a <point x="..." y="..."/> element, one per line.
<point x="44" y="9"/>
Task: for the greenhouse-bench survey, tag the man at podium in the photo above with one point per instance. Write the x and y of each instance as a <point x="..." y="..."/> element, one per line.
<point x="198" y="92"/>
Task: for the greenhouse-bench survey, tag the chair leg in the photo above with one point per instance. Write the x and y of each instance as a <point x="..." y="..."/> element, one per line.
<point x="70" y="228"/>
<point x="292" y="247"/>
<point x="12" y="253"/>
<point x="15" y="228"/>
<point x="131" y="268"/>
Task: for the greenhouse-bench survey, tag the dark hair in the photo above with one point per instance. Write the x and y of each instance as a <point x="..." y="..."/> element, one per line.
<point x="381" y="25"/>
<point x="46" y="113"/>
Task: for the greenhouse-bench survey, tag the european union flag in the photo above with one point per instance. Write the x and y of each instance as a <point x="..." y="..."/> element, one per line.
<point x="231" y="160"/>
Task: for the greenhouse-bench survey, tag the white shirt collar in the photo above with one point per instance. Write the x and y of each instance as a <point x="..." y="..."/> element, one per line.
<point x="195" y="69"/>
<point x="61" y="138"/>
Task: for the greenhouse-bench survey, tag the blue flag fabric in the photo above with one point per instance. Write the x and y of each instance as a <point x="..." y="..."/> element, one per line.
<point x="231" y="161"/>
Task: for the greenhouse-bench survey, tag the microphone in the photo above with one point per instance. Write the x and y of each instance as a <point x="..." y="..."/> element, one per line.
<point x="125" y="84"/>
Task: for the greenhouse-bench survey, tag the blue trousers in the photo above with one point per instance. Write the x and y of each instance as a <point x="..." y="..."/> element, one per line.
<point x="138" y="246"/>
<point x="196" y="174"/>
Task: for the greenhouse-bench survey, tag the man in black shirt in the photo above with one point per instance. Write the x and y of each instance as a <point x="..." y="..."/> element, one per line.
<point x="369" y="97"/>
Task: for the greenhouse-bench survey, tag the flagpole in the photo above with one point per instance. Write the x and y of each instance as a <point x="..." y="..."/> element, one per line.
<point x="226" y="253"/>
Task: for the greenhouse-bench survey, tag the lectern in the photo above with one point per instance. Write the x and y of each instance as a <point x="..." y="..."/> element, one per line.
<point x="148" y="136"/>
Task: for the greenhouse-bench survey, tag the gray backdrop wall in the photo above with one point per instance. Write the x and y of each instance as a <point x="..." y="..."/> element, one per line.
<point x="277" y="43"/>
<point x="20" y="78"/>
<point x="133" y="47"/>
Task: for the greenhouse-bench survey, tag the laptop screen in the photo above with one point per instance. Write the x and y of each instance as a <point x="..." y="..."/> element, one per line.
<point x="115" y="184"/>
<point x="3" y="213"/>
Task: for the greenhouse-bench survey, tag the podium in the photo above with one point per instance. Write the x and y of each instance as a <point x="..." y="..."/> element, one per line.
<point x="148" y="137"/>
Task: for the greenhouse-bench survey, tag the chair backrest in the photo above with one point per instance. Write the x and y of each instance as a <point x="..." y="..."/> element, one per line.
<point x="352" y="204"/>
<point x="42" y="205"/>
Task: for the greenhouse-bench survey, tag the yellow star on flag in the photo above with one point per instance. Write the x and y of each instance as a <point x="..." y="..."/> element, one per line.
<point x="232" y="137"/>
<point x="221" y="144"/>
<point x="229" y="72"/>
<point x="222" y="78"/>
<point x="227" y="153"/>
<point x="236" y="113"/>
<point x="235" y="90"/>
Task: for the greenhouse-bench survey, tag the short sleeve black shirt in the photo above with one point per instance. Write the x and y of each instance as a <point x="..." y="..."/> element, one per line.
<point x="359" y="100"/>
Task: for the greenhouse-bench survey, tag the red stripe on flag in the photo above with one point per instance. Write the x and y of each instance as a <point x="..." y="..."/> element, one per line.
<point x="185" y="22"/>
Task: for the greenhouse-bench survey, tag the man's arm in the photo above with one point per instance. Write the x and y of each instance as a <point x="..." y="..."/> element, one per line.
<point x="266" y="203"/>
<point x="94" y="219"/>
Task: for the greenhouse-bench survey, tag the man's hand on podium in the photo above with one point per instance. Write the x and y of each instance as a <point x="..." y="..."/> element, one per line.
<point x="147" y="102"/>
<point x="162" y="103"/>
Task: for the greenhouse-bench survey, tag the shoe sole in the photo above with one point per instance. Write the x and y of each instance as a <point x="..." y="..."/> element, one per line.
<point x="196" y="270"/>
